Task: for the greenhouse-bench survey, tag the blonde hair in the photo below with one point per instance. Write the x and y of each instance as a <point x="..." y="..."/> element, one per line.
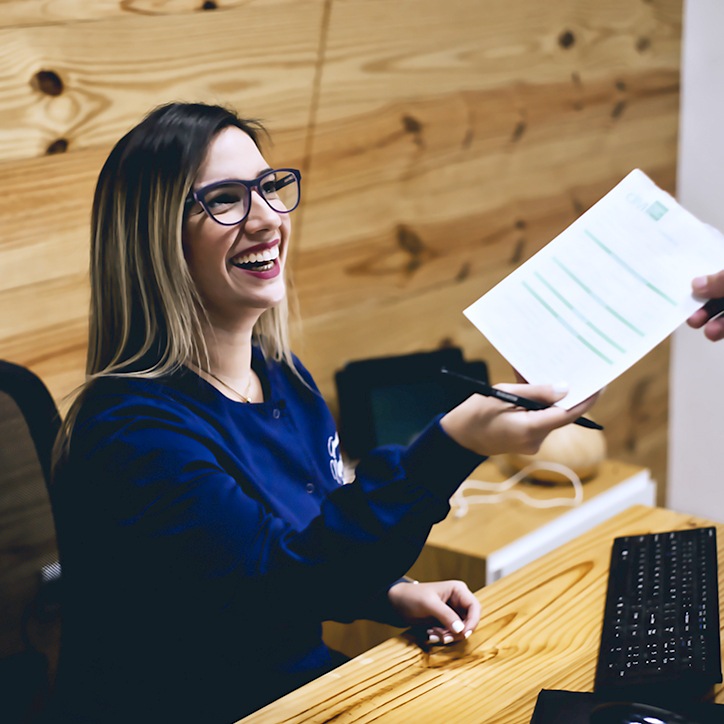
<point x="145" y="312"/>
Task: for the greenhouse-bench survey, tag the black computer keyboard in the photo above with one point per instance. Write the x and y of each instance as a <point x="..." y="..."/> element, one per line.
<point x="660" y="638"/>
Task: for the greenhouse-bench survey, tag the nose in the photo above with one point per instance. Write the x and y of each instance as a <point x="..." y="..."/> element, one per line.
<point x="261" y="215"/>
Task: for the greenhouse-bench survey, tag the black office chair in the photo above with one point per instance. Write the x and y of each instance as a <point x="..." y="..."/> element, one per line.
<point x="29" y="570"/>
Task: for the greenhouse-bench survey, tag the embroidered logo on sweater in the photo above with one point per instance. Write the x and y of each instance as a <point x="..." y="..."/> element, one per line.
<point x="335" y="464"/>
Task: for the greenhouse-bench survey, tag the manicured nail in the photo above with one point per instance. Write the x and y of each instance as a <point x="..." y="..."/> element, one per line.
<point x="561" y="388"/>
<point x="433" y="639"/>
<point x="468" y="634"/>
<point x="447" y="639"/>
<point x="458" y="626"/>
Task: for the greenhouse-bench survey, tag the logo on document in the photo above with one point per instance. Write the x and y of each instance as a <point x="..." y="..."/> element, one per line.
<point x="656" y="210"/>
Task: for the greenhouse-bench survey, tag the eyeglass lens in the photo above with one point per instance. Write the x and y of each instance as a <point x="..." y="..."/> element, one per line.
<point x="229" y="203"/>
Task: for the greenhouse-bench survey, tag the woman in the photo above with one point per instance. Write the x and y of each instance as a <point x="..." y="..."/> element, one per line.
<point x="203" y="534"/>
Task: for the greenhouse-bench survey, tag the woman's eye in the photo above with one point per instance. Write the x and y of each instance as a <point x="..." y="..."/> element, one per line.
<point x="221" y="200"/>
<point x="269" y="188"/>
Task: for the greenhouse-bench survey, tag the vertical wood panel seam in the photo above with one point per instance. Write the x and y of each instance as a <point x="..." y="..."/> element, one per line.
<point x="314" y="102"/>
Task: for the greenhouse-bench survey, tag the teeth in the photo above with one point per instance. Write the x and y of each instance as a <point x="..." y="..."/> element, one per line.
<point x="256" y="257"/>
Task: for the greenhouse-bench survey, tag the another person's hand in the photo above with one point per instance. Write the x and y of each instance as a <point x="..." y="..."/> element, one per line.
<point x="709" y="287"/>
<point x="447" y="608"/>
<point x="490" y="427"/>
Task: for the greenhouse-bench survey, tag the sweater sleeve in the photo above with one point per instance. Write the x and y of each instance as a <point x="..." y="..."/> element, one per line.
<point x="168" y="512"/>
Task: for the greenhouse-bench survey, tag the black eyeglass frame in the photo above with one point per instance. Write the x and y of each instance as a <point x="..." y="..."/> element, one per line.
<point x="199" y="195"/>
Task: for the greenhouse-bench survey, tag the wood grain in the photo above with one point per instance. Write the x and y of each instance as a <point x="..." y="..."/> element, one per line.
<point x="541" y="628"/>
<point x="83" y="84"/>
<point x="45" y="204"/>
<point x="439" y="167"/>
<point x="441" y="146"/>
<point x="18" y="13"/>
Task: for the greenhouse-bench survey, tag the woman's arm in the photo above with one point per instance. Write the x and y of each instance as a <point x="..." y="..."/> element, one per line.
<point x="173" y="511"/>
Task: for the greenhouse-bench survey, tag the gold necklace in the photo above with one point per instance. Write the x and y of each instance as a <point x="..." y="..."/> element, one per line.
<point x="245" y="397"/>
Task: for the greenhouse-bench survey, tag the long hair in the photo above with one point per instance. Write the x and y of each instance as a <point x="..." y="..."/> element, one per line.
<point x="145" y="312"/>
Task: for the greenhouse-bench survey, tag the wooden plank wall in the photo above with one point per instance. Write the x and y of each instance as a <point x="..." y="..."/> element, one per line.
<point x="442" y="144"/>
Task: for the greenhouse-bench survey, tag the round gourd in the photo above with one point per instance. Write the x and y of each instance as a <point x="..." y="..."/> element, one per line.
<point x="579" y="448"/>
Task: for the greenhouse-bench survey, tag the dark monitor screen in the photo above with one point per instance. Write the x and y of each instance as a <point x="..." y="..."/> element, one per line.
<point x="400" y="412"/>
<point x="388" y="400"/>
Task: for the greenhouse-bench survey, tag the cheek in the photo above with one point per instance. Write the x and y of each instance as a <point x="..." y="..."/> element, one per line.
<point x="205" y="243"/>
<point x="286" y="233"/>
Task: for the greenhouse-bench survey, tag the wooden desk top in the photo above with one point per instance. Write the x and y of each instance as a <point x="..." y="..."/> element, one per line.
<point x="540" y="629"/>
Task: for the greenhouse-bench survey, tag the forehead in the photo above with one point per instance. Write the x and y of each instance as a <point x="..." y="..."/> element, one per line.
<point x="231" y="154"/>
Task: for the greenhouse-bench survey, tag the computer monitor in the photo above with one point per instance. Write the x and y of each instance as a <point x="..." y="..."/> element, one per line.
<point x="387" y="400"/>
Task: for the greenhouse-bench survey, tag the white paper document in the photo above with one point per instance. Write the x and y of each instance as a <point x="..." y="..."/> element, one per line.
<point x="604" y="292"/>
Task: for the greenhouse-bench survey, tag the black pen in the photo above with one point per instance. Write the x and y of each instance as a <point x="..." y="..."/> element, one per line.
<point x="714" y="307"/>
<point x="489" y="391"/>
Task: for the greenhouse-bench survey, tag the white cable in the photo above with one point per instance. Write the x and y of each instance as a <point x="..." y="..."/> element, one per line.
<point x="502" y="491"/>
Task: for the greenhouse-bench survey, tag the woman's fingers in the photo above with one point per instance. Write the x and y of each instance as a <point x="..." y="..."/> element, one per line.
<point x="491" y="426"/>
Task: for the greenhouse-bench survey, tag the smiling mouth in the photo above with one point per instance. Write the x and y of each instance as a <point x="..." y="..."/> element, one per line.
<point x="257" y="261"/>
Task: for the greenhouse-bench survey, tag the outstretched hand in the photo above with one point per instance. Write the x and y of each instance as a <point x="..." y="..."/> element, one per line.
<point x="490" y="427"/>
<point x="447" y="608"/>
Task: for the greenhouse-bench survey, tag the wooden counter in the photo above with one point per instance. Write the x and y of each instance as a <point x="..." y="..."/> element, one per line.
<point x="540" y="628"/>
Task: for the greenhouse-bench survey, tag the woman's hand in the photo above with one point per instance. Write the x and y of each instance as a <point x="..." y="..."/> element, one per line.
<point x="490" y="427"/>
<point x="448" y="608"/>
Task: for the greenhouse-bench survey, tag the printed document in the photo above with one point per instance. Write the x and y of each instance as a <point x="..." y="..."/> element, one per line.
<point x="604" y="292"/>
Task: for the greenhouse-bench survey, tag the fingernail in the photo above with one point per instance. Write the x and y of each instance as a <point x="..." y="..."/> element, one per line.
<point x="699" y="284"/>
<point x="458" y="626"/>
<point x="447" y="639"/>
<point x="433" y="639"/>
<point x="560" y="388"/>
<point x="468" y="634"/>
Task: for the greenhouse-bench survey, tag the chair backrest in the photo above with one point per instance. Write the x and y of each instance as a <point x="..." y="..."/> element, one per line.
<point x="29" y="422"/>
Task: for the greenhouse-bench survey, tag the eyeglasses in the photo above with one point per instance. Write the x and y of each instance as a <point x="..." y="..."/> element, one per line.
<point x="228" y="202"/>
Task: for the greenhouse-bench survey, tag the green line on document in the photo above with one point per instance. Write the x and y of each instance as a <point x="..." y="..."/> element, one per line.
<point x="586" y="321"/>
<point x="631" y="271"/>
<point x="598" y="299"/>
<point x="567" y="326"/>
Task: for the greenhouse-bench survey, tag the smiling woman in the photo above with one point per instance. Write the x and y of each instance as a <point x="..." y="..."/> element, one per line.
<point x="200" y="459"/>
<point x="235" y="241"/>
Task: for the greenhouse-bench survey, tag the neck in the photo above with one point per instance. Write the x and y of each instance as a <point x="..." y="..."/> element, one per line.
<point x="229" y="347"/>
<point x="229" y="363"/>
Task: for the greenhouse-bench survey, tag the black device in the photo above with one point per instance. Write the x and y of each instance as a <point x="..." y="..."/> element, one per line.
<point x="556" y="706"/>
<point x="384" y="400"/>
<point x="660" y="637"/>
<point x="634" y="713"/>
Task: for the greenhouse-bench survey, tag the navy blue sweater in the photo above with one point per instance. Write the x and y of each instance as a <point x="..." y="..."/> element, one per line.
<point x="203" y="541"/>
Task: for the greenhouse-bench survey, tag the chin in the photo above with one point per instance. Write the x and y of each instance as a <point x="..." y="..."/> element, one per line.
<point x="273" y="299"/>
